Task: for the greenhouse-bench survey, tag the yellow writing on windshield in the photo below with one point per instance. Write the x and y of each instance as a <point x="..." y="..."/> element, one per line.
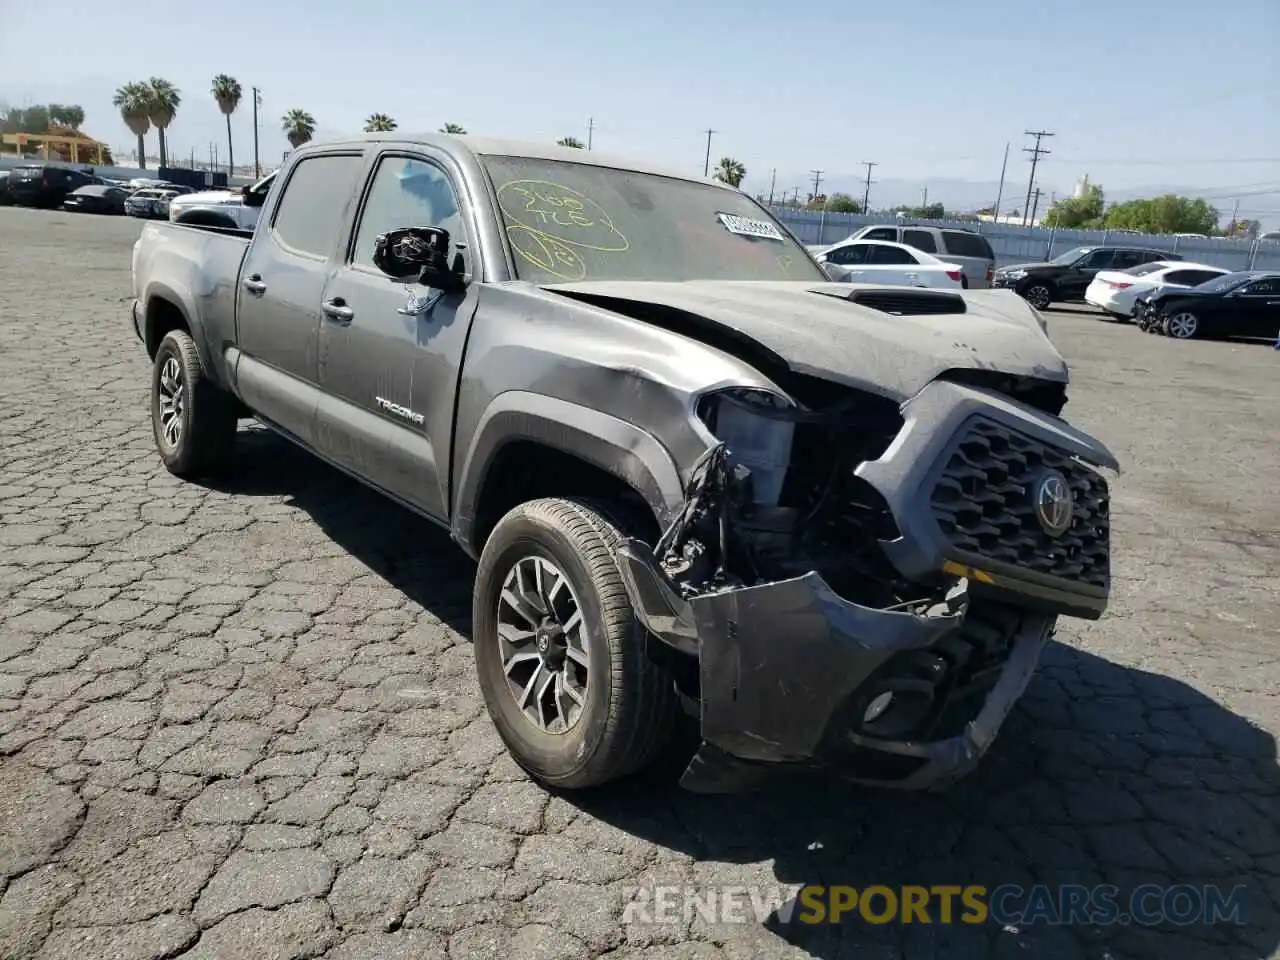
<point x="557" y="215"/>
<point x="546" y="253"/>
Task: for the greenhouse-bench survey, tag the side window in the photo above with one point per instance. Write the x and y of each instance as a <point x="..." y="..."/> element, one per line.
<point x="406" y="192"/>
<point x="309" y="215"/>
<point x="961" y="244"/>
<point x="890" y="255"/>
<point x="1197" y="277"/>
<point x="882" y="233"/>
<point x="1186" y="278"/>
<point x="1262" y="288"/>
<point x="1098" y="260"/>
<point x="920" y="239"/>
<point x="1129" y="258"/>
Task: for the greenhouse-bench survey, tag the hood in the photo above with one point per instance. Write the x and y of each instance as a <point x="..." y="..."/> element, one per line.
<point x="208" y="196"/>
<point x="816" y="330"/>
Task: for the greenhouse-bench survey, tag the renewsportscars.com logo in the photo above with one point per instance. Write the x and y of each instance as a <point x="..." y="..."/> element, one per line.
<point x="1007" y="905"/>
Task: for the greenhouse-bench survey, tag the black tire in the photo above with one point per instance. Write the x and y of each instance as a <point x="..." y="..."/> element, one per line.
<point x="206" y="415"/>
<point x="630" y="704"/>
<point x="1039" y="295"/>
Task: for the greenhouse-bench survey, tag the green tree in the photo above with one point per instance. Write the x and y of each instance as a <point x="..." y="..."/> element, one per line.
<point x="570" y="142"/>
<point x="163" y="101"/>
<point x="454" y="128"/>
<point x="73" y="115"/>
<point x="379" y="123"/>
<point x="298" y="126"/>
<point x="843" y="203"/>
<point x="1167" y="214"/>
<point x="134" y="103"/>
<point x="1075" y="213"/>
<point x="730" y="171"/>
<point x="227" y="92"/>
<point x="816" y="201"/>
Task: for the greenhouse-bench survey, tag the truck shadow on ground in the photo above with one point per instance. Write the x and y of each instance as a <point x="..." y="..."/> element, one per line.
<point x="1103" y="775"/>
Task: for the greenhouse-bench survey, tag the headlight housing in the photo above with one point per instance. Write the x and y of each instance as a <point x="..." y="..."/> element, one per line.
<point x="1015" y="274"/>
<point x="757" y="432"/>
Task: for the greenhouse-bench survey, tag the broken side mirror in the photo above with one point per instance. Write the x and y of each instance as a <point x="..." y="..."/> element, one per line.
<point x="421" y="254"/>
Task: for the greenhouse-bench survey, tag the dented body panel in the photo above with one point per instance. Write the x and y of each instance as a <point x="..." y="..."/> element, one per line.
<point x="870" y="511"/>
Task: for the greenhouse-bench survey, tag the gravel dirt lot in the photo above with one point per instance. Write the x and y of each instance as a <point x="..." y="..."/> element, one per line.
<point x="243" y="722"/>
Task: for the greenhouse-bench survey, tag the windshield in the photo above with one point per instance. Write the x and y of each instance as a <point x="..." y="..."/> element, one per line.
<point x="1228" y="281"/>
<point x="575" y="221"/>
<point x="1070" y="257"/>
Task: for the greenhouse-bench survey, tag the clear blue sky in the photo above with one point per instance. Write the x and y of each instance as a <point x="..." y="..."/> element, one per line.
<point x="1138" y="92"/>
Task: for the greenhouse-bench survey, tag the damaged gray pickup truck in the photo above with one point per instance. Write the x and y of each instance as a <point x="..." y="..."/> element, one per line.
<point x="835" y="523"/>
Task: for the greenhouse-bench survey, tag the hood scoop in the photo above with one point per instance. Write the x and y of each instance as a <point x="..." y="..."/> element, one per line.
<point x="899" y="303"/>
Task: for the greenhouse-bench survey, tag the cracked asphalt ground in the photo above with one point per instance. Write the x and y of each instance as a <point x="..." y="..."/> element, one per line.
<point x="243" y="722"/>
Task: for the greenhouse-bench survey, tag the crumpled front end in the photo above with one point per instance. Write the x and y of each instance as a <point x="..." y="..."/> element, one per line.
<point x="867" y="589"/>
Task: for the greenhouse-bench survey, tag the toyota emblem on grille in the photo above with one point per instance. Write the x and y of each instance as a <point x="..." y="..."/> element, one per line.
<point x="1054" y="503"/>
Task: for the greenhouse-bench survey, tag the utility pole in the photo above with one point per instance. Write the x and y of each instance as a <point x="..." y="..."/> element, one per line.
<point x="773" y="179"/>
<point x="1036" y="153"/>
<point x="924" y="197"/>
<point x="1235" y="209"/>
<point x="817" y="179"/>
<point x="866" y="192"/>
<point x="257" y="167"/>
<point x="706" y="166"/>
<point x="591" y="127"/>
<point x="1035" y="205"/>
<point x="995" y="211"/>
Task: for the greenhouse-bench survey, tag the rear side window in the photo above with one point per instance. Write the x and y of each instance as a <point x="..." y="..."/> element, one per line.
<point x="1189" y="278"/>
<point x="889" y="255"/>
<point x="920" y="239"/>
<point x="882" y="233"/>
<point x="1144" y="269"/>
<point x="309" y="215"/>
<point x="961" y="244"/>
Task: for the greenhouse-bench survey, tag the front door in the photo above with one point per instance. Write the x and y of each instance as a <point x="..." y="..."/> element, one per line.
<point x="281" y="285"/>
<point x="388" y="350"/>
<point x="1072" y="284"/>
<point x="1260" y="313"/>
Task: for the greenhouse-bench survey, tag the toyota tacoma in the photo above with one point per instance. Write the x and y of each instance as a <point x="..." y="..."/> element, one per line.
<point x="834" y="523"/>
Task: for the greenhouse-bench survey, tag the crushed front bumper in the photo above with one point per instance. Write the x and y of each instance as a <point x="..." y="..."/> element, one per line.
<point x="787" y="670"/>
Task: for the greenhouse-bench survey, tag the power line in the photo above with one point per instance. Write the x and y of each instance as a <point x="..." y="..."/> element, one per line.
<point x="1036" y="153"/>
<point x="866" y="193"/>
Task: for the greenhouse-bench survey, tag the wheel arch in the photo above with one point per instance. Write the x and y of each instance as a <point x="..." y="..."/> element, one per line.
<point x="531" y="445"/>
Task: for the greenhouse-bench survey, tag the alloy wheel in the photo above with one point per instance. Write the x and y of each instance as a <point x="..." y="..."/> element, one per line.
<point x="1183" y="326"/>
<point x="542" y="645"/>
<point x="1038" y="297"/>
<point x="171" y="401"/>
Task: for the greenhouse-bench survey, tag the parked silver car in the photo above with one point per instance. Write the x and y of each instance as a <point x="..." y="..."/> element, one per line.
<point x="969" y="250"/>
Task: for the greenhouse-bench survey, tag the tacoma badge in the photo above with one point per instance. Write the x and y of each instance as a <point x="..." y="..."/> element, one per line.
<point x="402" y="412"/>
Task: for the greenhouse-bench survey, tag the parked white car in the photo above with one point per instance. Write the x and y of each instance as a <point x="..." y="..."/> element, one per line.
<point x="1117" y="291"/>
<point x="220" y="208"/>
<point x="895" y="264"/>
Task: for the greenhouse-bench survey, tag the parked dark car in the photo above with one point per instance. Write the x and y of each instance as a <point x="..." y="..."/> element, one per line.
<point x="1067" y="275"/>
<point x="5" y="199"/>
<point x="96" y="198"/>
<point x="45" y="185"/>
<point x="1245" y="304"/>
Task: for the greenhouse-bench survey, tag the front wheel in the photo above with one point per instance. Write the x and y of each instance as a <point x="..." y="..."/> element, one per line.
<point x="560" y="655"/>
<point x="194" y="421"/>
<point x="1039" y="296"/>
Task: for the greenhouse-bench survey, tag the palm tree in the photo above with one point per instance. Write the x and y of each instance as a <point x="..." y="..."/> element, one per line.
<point x="378" y="123"/>
<point x="570" y="142"/>
<point x="455" y="128"/>
<point x="133" y="100"/>
<point x="226" y="90"/>
<point x="299" y="126"/>
<point x="730" y="171"/>
<point x="163" y="105"/>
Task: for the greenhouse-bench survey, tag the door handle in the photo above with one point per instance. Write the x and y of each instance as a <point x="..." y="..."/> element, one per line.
<point x="253" y="283"/>
<point x="337" y="310"/>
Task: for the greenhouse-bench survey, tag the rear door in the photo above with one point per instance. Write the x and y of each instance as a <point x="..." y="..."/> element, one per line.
<point x="282" y="282"/>
<point x="388" y="350"/>
<point x="892" y="265"/>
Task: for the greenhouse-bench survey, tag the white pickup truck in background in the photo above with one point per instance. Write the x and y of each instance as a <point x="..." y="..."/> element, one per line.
<point x="220" y="208"/>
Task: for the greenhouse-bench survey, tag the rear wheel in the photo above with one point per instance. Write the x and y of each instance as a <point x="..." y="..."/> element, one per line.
<point x="1183" y="325"/>
<point x="194" y="421"/>
<point x="1038" y="295"/>
<point x="560" y="656"/>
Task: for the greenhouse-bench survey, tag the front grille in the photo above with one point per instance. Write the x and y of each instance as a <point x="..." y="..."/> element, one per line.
<point x="983" y="503"/>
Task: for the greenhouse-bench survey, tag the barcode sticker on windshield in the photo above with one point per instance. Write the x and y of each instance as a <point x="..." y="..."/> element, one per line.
<point x="745" y="227"/>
